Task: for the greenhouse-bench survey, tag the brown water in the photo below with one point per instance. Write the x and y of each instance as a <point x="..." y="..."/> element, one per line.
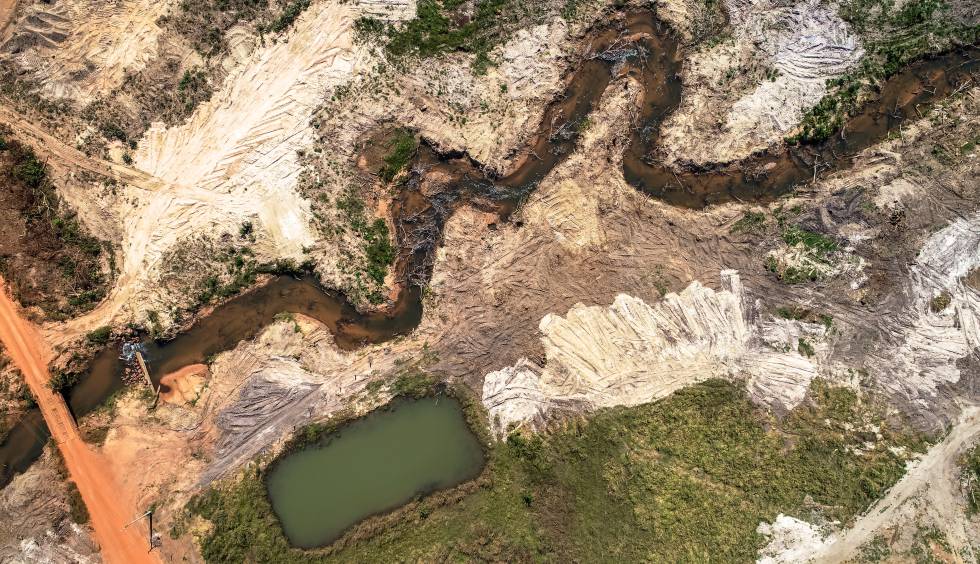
<point x="23" y="445"/>
<point x="637" y="44"/>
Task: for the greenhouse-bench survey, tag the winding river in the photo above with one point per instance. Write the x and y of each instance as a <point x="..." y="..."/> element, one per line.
<point x="645" y="50"/>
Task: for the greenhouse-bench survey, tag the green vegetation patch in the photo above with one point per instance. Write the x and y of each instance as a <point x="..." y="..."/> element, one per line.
<point x="77" y="510"/>
<point x="402" y="150"/>
<point x="749" y="222"/>
<point x="686" y="479"/>
<point x="811" y="256"/>
<point x="241" y="272"/>
<point x="818" y="244"/>
<point x="379" y="253"/>
<point x="99" y="336"/>
<point x="971" y="480"/>
<point x="894" y="34"/>
<point x="288" y="15"/>
<point x="445" y="26"/>
<point x="57" y="266"/>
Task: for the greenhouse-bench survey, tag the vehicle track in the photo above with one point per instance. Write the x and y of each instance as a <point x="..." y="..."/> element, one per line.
<point x="50" y="146"/>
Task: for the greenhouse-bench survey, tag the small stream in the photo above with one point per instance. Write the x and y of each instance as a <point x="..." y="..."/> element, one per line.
<point x="652" y="56"/>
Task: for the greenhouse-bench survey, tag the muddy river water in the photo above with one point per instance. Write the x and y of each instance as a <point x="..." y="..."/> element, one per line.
<point x="637" y="45"/>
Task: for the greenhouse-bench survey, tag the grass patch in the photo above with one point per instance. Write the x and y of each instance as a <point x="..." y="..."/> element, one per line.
<point x="686" y="479"/>
<point x="77" y="510"/>
<point x="749" y="222"/>
<point x="241" y="273"/>
<point x="809" y="255"/>
<point x="817" y="244"/>
<point x="971" y="480"/>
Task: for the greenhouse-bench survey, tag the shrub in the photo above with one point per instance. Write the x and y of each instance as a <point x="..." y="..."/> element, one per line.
<point x="940" y="302"/>
<point x="403" y="149"/>
<point x="99" y="336"/>
<point x="61" y="381"/>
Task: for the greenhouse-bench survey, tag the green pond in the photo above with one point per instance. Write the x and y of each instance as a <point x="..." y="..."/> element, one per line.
<point x="372" y="465"/>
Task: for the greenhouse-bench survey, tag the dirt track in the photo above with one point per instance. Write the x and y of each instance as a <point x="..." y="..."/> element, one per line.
<point x="107" y="508"/>
<point x="48" y="145"/>
<point x="936" y="476"/>
<point x="7" y="8"/>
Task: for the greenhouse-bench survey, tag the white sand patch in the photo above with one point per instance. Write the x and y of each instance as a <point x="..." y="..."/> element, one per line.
<point x="236" y="158"/>
<point x="790" y="541"/>
<point x="725" y="115"/>
<point x="632" y="353"/>
<point x="926" y="344"/>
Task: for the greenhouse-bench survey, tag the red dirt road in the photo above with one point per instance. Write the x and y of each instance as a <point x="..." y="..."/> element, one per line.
<point x="106" y="504"/>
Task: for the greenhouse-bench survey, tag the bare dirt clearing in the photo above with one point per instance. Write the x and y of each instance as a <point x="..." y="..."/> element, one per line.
<point x="34" y="519"/>
<point x="83" y="49"/>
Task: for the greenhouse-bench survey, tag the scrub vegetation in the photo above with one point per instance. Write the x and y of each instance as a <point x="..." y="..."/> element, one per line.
<point x="379" y="253"/>
<point x="46" y="255"/>
<point x="403" y="148"/>
<point x="814" y="252"/>
<point x="446" y="26"/>
<point x="686" y="479"/>
<point x="894" y="34"/>
<point x="971" y="480"/>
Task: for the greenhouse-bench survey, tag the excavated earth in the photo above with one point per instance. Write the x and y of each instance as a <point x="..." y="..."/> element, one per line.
<point x="579" y="294"/>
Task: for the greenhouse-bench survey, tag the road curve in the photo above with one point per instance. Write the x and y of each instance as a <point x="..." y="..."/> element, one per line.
<point x="109" y="511"/>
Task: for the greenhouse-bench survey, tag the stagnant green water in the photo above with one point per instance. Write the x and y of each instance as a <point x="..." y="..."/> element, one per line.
<point x="373" y="465"/>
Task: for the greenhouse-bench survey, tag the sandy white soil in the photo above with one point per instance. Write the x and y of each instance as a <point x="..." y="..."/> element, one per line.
<point x="84" y="49"/>
<point x="633" y="352"/>
<point x="746" y="93"/>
